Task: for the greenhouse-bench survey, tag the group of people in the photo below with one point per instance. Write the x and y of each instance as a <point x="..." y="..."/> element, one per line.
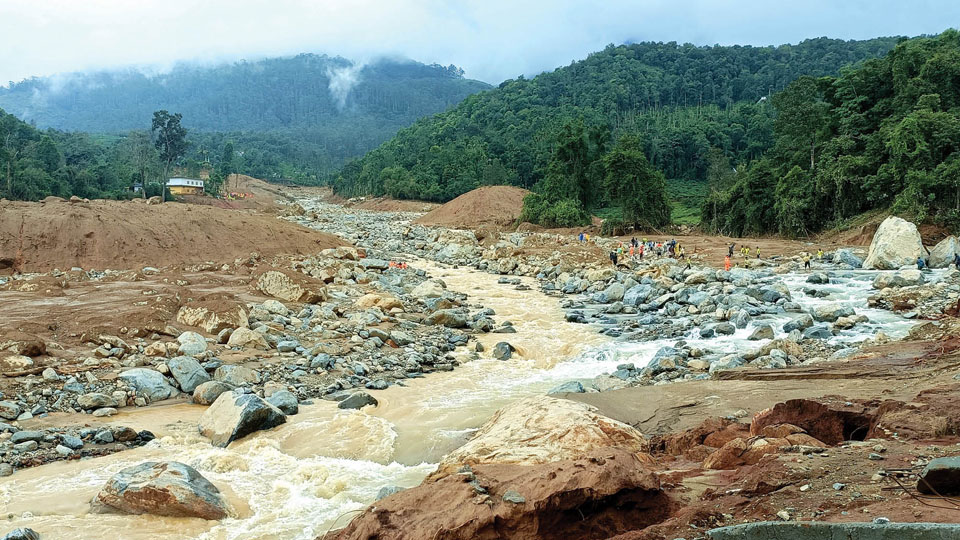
<point x="635" y="249"/>
<point x="399" y="265"/>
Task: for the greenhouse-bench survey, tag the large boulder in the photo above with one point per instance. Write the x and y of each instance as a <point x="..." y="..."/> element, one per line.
<point x="22" y="344"/>
<point x="941" y="256"/>
<point x="213" y="316"/>
<point x="540" y="430"/>
<point x="903" y="278"/>
<point x="832" y="312"/>
<point x="428" y="289"/>
<point x="941" y="476"/>
<point x="289" y="287"/>
<point x="236" y="375"/>
<point x="149" y="383"/>
<point x="447" y="317"/>
<point x="166" y="488"/>
<point x="602" y="494"/>
<point x="95" y="400"/>
<point x="235" y="415"/>
<point x="191" y="344"/>
<point x="846" y="256"/>
<point x="896" y="243"/>
<point x="249" y="339"/>
<point x="208" y="392"/>
<point x="188" y="372"/>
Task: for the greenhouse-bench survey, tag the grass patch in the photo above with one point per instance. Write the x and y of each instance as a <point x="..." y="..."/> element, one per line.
<point x="685" y="199"/>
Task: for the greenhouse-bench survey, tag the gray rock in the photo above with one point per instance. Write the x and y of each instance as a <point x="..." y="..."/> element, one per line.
<point x="191" y="344"/>
<point x="26" y="446"/>
<point x="104" y="436"/>
<point x="762" y="332"/>
<point x="208" y="392"/>
<point x="832" y="312"/>
<point x="942" y="476"/>
<point x="166" y="488"/>
<point x="235" y="415"/>
<point x="6" y="469"/>
<point x="285" y="401"/>
<point x="149" y="384"/>
<point x="727" y="362"/>
<point x="9" y="410"/>
<point x="22" y="533"/>
<point x="236" y="375"/>
<point x="803" y="322"/>
<point x="358" y="400"/>
<point x="512" y="496"/>
<point x="448" y="318"/>
<point x="387" y="491"/>
<point x="896" y="243"/>
<point x="845" y="256"/>
<point x="503" y="351"/>
<point x="637" y="295"/>
<point x="287" y="345"/>
<point x="71" y="442"/>
<point x="95" y="400"/>
<point x="569" y="387"/>
<point x="941" y="256"/>
<point x="818" y="278"/>
<point x="188" y="373"/>
<point x="817" y="332"/>
<point x="724" y="329"/>
<point x="22" y="436"/>
<point x="902" y="278"/>
<point x="613" y="293"/>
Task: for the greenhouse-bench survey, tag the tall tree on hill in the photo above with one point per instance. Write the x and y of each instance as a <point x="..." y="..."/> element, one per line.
<point x="635" y="186"/>
<point x="170" y="139"/>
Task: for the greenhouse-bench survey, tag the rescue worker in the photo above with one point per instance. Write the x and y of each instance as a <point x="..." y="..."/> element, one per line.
<point x="726" y="260"/>
<point x="806" y="262"/>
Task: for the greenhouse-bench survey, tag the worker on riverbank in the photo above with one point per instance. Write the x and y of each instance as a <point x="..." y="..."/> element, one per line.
<point x="820" y="254"/>
<point x="730" y="249"/>
<point x="921" y="264"/>
<point x="613" y="257"/>
<point x="806" y="261"/>
<point x="581" y="237"/>
<point x="956" y="261"/>
<point x="726" y="260"/>
<point x="758" y="252"/>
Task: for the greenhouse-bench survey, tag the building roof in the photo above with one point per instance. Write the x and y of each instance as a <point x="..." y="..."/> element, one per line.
<point x="185" y="182"/>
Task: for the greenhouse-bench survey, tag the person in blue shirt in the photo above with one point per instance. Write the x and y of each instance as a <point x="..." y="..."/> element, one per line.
<point x="920" y="264"/>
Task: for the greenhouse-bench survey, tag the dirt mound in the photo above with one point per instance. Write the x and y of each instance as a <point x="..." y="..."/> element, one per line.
<point x="498" y="206"/>
<point x="121" y="235"/>
<point x="604" y="493"/>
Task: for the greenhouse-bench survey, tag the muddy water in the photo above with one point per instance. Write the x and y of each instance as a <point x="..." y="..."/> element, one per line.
<point x="302" y="478"/>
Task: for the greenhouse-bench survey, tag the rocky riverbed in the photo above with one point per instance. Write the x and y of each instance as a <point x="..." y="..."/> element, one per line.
<point x="281" y="357"/>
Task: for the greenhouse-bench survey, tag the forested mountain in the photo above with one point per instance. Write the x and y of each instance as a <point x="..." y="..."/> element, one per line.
<point x="885" y="133"/>
<point x="303" y="114"/>
<point x="681" y="100"/>
<point x="35" y="164"/>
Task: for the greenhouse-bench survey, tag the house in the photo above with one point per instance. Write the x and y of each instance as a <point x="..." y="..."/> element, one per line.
<point x="185" y="186"/>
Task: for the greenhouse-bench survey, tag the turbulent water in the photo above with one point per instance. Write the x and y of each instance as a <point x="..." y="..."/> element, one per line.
<point x="309" y="475"/>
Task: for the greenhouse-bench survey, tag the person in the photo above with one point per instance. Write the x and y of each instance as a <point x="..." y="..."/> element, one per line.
<point x="613" y="257"/>
<point x="640" y="250"/>
<point x="746" y="252"/>
<point x="920" y="263"/>
<point x="758" y="252"/>
<point x="730" y="249"/>
<point x="580" y="237"/>
<point x="588" y="238"/>
<point x="956" y="261"/>
<point x="681" y="252"/>
<point x="631" y="250"/>
<point x="726" y="260"/>
<point x="820" y="254"/>
<point x="806" y="261"/>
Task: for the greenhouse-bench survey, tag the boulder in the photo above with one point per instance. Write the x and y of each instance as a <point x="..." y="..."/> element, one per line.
<point x="213" y="316"/>
<point x="832" y="312"/>
<point x="542" y="429"/>
<point x="447" y="317"/>
<point x="290" y="288"/>
<point x="9" y="410"/>
<point x="614" y="490"/>
<point x="613" y="293"/>
<point x="22" y="344"/>
<point x="191" y="344"/>
<point x="762" y="332"/>
<point x="15" y="363"/>
<point x="208" y="392"/>
<point x="246" y="338"/>
<point x="358" y="400"/>
<point x="800" y="323"/>
<point x="503" y="351"/>
<point x="149" y="384"/>
<point x="941" y="256"/>
<point x="285" y="401"/>
<point x="846" y="256"/>
<point x="94" y="400"/>
<point x="235" y="415"/>
<point x="896" y="243"/>
<point x="569" y="387"/>
<point x="236" y="375"/>
<point x="428" y="289"/>
<point x="902" y="278"/>
<point x="22" y="534"/>
<point x="941" y="476"/>
<point x="188" y="372"/>
<point x="166" y="488"/>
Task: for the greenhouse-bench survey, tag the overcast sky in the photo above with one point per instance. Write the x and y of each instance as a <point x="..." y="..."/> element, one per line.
<point x="491" y="39"/>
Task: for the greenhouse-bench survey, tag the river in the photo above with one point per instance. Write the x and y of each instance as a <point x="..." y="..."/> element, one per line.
<point x="316" y="471"/>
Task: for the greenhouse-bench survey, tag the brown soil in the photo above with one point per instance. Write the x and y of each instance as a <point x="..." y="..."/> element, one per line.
<point x="497" y="206"/>
<point x="121" y="235"/>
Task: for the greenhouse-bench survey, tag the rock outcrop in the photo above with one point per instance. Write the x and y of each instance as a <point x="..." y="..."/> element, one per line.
<point x="599" y="495"/>
<point x="289" y="287"/>
<point x="540" y="430"/>
<point x="166" y="488"/>
<point x="213" y="316"/>
<point x="896" y="243"/>
<point x="941" y="256"/>
<point x="235" y="415"/>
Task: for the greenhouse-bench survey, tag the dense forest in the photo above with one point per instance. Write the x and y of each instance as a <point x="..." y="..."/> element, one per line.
<point x="297" y="117"/>
<point x="883" y="134"/>
<point x="680" y="100"/>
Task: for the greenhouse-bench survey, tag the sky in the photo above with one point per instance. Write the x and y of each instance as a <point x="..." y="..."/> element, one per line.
<point x="492" y="40"/>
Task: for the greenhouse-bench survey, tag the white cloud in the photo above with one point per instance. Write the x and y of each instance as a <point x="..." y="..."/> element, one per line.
<point x="491" y="39"/>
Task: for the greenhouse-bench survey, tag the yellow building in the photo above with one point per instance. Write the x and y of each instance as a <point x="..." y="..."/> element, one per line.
<point x="185" y="186"/>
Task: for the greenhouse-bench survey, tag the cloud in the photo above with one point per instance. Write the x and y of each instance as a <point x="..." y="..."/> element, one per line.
<point x="491" y="39"/>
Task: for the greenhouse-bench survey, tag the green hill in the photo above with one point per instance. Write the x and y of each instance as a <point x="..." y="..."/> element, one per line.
<point x="682" y="100"/>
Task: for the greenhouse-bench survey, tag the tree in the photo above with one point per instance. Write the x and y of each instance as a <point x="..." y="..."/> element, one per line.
<point x="170" y="139"/>
<point x="141" y="155"/>
<point x="635" y="186"/>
